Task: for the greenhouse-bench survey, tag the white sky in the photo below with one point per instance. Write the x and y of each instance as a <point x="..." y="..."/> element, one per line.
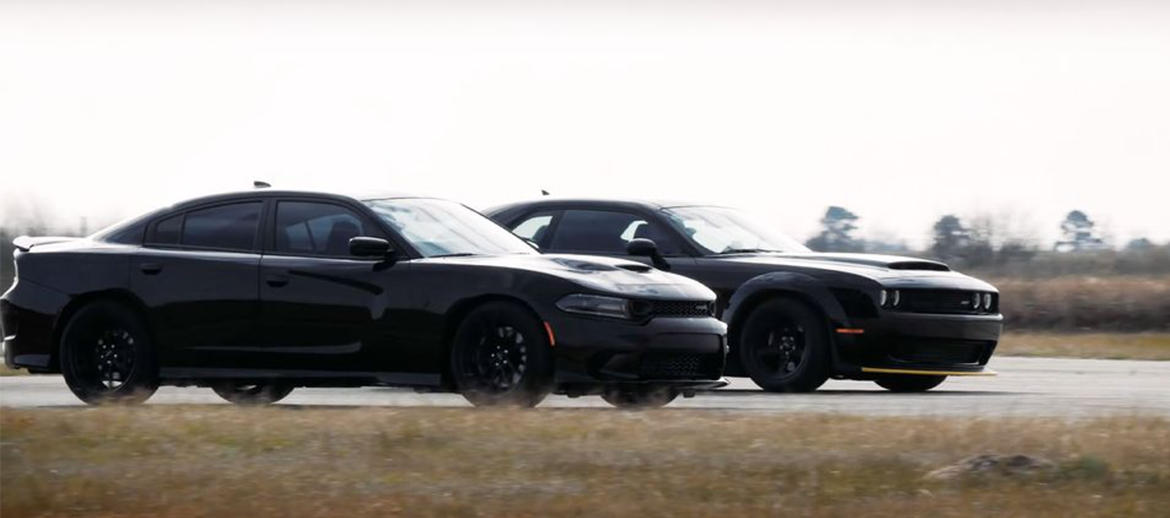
<point x="900" y="111"/>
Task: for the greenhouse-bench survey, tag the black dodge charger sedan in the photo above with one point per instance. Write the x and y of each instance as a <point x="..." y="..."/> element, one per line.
<point x="796" y="318"/>
<point x="256" y="293"/>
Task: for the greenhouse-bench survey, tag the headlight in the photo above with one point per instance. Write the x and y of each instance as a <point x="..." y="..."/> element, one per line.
<point x="884" y="297"/>
<point x="976" y="300"/>
<point x="987" y="301"/>
<point x="598" y="305"/>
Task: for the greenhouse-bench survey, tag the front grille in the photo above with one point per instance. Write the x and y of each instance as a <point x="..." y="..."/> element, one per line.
<point x="940" y="351"/>
<point x="676" y="308"/>
<point x="938" y="301"/>
<point x="680" y="366"/>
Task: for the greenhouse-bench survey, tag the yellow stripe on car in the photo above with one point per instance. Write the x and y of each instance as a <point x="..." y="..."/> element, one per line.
<point x="877" y="370"/>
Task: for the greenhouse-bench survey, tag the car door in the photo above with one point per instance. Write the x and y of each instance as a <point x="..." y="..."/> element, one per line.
<point x="324" y="309"/>
<point x="197" y="274"/>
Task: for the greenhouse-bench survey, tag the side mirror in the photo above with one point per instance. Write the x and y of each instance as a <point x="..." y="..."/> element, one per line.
<point x="647" y="248"/>
<point x="363" y="246"/>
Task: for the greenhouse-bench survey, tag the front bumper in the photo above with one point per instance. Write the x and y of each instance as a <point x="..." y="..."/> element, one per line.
<point x="918" y="343"/>
<point x="682" y="352"/>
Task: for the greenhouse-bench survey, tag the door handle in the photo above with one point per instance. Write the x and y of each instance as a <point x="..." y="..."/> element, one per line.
<point x="150" y="268"/>
<point x="276" y="280"/>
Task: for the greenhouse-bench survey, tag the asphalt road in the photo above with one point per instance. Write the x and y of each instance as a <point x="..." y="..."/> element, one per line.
<point x="1025" y="387"/>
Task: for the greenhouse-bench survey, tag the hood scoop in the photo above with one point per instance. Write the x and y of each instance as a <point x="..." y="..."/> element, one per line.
<point x="636" y="268"/>
<point x="891" y="262"/>
<point x="919" y="265"/>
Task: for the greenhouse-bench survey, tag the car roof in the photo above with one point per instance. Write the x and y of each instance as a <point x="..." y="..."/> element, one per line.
<point x="274" y="193"/>
<point x="629" y="203"/>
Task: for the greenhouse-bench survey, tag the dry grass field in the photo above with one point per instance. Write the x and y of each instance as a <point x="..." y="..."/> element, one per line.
<point x="1086" y="304"/>
<point x="197" y="461"/>
<point x="1108" y="346"/>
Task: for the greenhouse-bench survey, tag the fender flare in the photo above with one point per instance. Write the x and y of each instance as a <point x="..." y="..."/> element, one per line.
<point x="791" y="284"/>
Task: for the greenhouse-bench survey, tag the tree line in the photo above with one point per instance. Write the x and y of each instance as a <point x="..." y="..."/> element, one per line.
<point x="1082" y="249"/>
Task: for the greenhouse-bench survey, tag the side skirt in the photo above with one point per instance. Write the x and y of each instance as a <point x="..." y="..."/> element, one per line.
<point x="202" y="376"/>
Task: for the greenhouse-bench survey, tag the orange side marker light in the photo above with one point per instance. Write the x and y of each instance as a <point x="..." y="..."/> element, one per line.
<point x="552" y="340"/>
<point x="850" y="330"/>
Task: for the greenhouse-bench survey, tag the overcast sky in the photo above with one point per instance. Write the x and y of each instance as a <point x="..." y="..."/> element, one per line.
<point x="900" y="111"/>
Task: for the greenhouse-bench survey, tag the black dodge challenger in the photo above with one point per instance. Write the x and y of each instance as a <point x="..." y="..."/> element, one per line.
<point x="256" y="293"/>
<point x="796" y="318"/>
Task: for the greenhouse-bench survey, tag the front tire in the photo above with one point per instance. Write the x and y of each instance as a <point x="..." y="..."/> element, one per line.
<point x="108" y="356"/>
<point x="252" y="394"/>
<point x="639" y="397"/>
<point x="909" y="383"/>
<point x="501" y="357"/>
<point x="784" y="347"/>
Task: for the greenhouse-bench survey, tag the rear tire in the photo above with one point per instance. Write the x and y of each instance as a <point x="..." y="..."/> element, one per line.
<point x="639" y="397"/>
<point x="107" y="355"/>
<point x="783" y="347"/>
<point x="909" y="383"/>
<point x="252" y="394"/>
<point x="501" y="356"/>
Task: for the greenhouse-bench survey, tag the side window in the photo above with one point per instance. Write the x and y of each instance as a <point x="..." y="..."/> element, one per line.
<point x="231" y="227"/>
<point x="535" y="228"/>
<point x="166" y="232"/>
<point x="318" y="228"/>
<point x="131" y="235"/>
<point x="606" y="232"/>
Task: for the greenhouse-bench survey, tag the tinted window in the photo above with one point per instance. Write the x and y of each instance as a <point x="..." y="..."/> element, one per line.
<point x="131" y="235"/>
<point x="167" y="230"/>
<point x="606" y="232"/>
<point x="534" y="228"/>
<point x="230" y="227"/>
<point x="317" y="228"/>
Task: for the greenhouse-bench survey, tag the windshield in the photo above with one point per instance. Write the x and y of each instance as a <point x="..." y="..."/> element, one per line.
<point x="438" y="228"/>
<point x="720" y="230"/>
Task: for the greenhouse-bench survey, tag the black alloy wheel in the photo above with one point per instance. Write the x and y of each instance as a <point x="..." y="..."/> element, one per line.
<point x="784" y="347"/>
<point x="262" y="393"/>
<point x="107" y="355"/>
<point x="909" y="382"/>
<point x="501" y="356"/>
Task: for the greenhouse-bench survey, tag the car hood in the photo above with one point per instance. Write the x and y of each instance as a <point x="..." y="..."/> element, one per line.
<point x="617" y="276"/>
<point x="889" y="270"/>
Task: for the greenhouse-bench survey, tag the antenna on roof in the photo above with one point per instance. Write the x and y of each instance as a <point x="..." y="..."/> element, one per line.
<point x="543" y="192"/>
<point x="260" y="185"/>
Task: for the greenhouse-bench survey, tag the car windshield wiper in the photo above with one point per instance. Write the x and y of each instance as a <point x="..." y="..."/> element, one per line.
<point x="748" y="251"/>
<point x="459" y="254"/>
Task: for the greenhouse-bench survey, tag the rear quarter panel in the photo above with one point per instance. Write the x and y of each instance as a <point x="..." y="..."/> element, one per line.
<point x="48" y="280"/>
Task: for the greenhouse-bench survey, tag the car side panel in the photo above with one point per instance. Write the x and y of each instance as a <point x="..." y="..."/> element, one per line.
<point x="203" y="305"/>
<point x="49" y="278"/>
<point x="323" y="313"/>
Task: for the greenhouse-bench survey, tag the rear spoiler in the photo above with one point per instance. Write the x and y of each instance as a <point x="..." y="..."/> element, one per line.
<point x="25" y="243"/>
